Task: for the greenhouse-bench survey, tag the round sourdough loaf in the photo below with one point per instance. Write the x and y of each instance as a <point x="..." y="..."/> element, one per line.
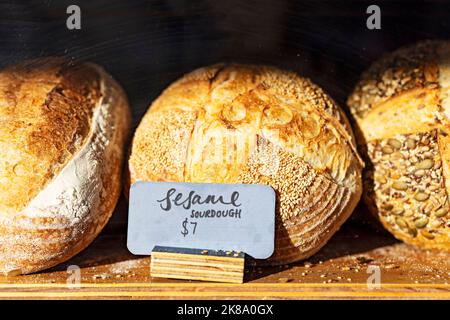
<point x="231" y="123"/>
<point x="402" y="110"/>
<point x="62" y="131"/>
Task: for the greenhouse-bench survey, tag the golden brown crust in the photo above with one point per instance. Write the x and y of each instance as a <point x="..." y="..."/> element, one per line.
<point x="208" y="127"/>
<point x="47" y="106"/>
<point x="310" y="206"/>
<point x="402" y="70"/>
<point x="82" y="115"/>
<point x="403" y="127"/>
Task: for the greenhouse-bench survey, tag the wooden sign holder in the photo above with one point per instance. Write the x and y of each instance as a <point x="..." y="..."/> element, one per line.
<point x="197" y="264"/>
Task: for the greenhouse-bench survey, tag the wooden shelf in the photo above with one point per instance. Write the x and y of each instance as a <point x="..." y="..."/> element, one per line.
<point x="109" y="271"/>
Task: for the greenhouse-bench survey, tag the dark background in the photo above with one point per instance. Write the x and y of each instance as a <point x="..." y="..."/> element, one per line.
<point x="146" y="45"/>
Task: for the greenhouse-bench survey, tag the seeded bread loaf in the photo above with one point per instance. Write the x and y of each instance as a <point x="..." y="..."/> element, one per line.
<point x="232" y="123"/>
<point x="402" y="110"/>
<point x="63" y="127"/>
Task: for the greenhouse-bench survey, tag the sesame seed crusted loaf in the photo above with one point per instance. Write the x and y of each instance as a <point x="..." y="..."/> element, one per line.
<point x="63" y="127"/>
<point x="402" y="112"/>
<point x="231" y="123"/>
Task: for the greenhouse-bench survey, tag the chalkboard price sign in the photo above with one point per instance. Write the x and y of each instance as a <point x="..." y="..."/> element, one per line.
<point x="203" y="216"/>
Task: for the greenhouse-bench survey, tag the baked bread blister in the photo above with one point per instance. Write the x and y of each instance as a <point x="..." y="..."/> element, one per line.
<point x="62" y="133"/>
<point x="401" y="108"/>
<point x="231" y="123"/>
